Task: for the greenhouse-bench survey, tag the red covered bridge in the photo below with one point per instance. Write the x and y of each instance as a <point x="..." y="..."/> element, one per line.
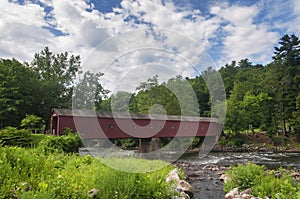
<point x="97" y="125"/>
<point x="94" y="125"/>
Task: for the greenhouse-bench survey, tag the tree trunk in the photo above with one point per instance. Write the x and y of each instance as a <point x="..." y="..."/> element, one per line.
<point x="283" y="127"/>
<point x="297" y="131"/>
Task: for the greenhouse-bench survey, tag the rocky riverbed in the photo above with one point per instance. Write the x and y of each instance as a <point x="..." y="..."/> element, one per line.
<point x="205" y="179"/>
<point x="203" y="173"/>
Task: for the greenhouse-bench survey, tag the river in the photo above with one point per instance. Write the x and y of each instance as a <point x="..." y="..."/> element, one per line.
<point x="203" y="172"/>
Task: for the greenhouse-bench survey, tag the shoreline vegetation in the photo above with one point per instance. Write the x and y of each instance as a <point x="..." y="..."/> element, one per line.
<point x="43" y="166"/>
<point x="32" y="173"/>
<point x="256" y="181"/>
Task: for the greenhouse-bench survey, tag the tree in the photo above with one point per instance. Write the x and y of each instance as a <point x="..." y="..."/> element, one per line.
<point x="256" y="109"/>
<point x="200" y="88"/>
<point x="57" y="74"/>
<point x="289" y="50"/>
<point x="228" y="73"/>
<point x="296" y="118"/>
<point x="217" y="94"/>
<point x="245" y="97"/>
<point x="32" y="123"/>
<point x="282" y="80"/>
<point x="183" y="92"/>
<point x="121" y="101"/>
<point x="89" y="93"/>
<point x="174" y="97"/>
<point x="18" y="92"/>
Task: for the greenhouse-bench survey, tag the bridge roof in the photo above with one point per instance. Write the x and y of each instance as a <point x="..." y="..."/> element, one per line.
<point x="124" y="115"/>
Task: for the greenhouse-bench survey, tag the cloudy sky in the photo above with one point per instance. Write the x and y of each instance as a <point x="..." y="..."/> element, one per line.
<point x="131" y="39"/>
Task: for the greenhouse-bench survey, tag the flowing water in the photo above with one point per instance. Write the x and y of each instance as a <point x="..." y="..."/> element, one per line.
<point x="203" y="172"/>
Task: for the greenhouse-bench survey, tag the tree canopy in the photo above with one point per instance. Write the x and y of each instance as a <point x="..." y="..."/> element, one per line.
<point x="265" y="97"/>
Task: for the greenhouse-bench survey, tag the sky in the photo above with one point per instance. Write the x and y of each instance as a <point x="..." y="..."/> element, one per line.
<point x="131" y="40"/>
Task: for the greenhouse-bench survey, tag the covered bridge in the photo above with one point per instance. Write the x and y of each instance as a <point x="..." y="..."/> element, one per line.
<point x="94" y="125"/>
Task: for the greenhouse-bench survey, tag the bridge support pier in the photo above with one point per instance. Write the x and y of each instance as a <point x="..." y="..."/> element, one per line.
<point x="145" y="145"/>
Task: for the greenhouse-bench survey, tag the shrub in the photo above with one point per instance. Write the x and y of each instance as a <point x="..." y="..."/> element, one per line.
<point x="262" y="182"/>
<point x="37" y="138"/>
<point x="283" y="187"/>
<point x="68" y="143"/>
<point x="126" y="143"/>
<point x="244" y="176"/>
<point x="232" y="140"/>
<point x="11" y="136"/>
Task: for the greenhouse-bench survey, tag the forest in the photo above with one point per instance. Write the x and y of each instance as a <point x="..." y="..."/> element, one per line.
<point x="258" y="97"/>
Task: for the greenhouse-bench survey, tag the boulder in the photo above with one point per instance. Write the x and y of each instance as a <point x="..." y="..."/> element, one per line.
<point x="231" y="194"/>
<point x="93" y="193"/>
<point x="173" y="176"/>
<point x="246" y="196"/>
<point x="181" y="186"/>
<point x="185" y="195"/>
<point x="184" y="186"/>
<point x="247" y="191"/>
<point x="225" y="178"/>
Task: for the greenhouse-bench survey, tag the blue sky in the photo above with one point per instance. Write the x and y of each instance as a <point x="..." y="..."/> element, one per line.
<point x="119" y="36"/>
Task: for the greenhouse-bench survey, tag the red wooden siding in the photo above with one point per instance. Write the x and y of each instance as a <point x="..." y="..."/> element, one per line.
<point x="105" y="127"/>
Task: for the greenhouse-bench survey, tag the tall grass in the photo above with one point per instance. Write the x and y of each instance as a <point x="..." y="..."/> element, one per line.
<point x="32" y="173"/>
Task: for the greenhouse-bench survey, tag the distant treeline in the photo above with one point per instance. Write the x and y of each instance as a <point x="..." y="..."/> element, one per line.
<point x="265" y="97"/>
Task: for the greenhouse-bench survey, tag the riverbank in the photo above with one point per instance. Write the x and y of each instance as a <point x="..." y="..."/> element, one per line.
<point x="35" y="173"/>
<point x="258" y="142"/>
<point x="257" y="148"/>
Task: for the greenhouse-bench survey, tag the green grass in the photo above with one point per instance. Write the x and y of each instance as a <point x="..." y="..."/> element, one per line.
<point x="32" y="173"/>
<point x="134" y="165"/>
<point x="263" y="182"/>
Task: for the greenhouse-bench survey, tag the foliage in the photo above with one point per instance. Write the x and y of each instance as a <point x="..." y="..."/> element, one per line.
<point x="264" y="97"/>
<point x="11" y="136"/>
<point x="174" y="97"/>
<point x="126" y="143"/>
<point x="56" y="75"/>
<point x="244" y="176"/>
<point x="33" y="123"/>
<point x="89" y="93"/>
<point x="68" y="143"/>
<point x="283" y="78"/>
<point x="232" y="140"/>
<point x="18" y="92"/>
<point x="296" y="118"/>
<point x="29" y="173"/>
<point x="262" y="182"/>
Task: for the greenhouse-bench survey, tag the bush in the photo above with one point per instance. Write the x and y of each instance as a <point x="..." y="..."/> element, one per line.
<point x="283" y="187"/>
<point x="37" y="138"/>
<point x="126" y="143"/>
<point x="11" y="136"/>
<point x="232" y="140"/>
<point x="244" y="176"/>
<point x="262" y="182"/>
<point x="68" y="143"/>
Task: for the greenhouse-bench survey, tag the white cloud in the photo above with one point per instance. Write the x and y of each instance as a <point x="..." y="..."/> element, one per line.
<point x="22" y="31"/>
<point x="294" y="25"/>
<point x="185" y="34"/>
<point x="243" y="38"/>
